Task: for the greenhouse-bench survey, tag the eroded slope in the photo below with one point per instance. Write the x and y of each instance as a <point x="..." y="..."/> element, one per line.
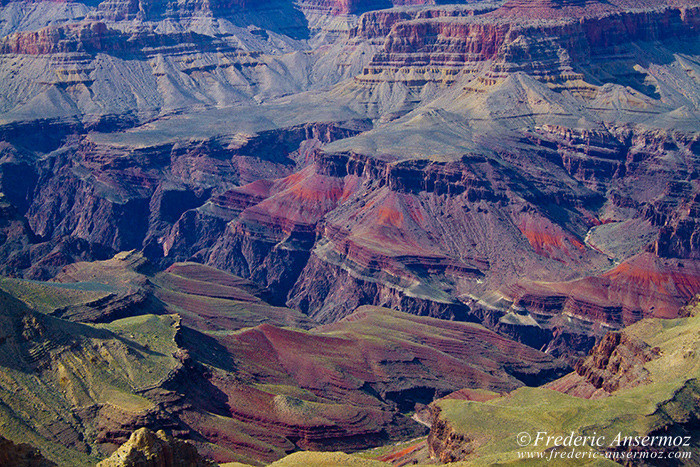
<point x="204" y="368"/>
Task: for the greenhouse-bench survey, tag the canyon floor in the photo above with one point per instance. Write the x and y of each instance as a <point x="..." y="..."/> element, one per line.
<point x="380" y="227"/>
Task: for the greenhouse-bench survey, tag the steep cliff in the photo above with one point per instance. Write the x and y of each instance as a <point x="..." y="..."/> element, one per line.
<point x="642" y="382"/>
<point x="564" y="47"/>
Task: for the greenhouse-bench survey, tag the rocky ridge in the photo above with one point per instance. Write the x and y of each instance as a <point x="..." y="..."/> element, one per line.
<point x="203" y="357"/>
<point x="22" y="455"/>
<point x="642" y="361"/>
<point x="502" y="163"/>
<point x="146" y="448"/>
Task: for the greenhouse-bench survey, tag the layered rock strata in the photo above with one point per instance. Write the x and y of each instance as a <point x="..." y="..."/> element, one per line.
<point x="208" y="360"/>
<point x="561" y="45"/>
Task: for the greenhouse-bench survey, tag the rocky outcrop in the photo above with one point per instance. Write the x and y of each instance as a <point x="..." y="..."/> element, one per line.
<point x="610" y="298"/>
<point x="49" y="348"/>
<point x="22" y="455"/>
<point x="96" y="37"/>
<point x="623" y="370"/>
<point x="446" y="444"/>
<point x="621" y="360"/>
<point x="567" y="318"/>
<point x="148" y="449"/>
<point x="679" y="220"/>
<point x="617" y="363"/>
<point x="15" y="238"/>
<point x="593" y="157"/>
<point x="552" y="43"/>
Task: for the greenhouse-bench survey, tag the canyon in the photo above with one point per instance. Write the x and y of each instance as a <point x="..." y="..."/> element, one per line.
<point x="111" y="346"/>
<point x="331" y="213"/>
<point x="650" y="361"/>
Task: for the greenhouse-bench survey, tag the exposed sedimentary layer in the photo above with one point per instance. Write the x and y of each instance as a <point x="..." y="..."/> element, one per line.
<point x="642" y="380"/>
<point x="199" y="353"/>
<point x="325" y="202"/>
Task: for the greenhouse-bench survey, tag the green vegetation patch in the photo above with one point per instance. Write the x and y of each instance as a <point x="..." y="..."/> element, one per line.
<point x="46" y="297"/>
<point x="501" y="430"/>
<point x="325" y="459"/>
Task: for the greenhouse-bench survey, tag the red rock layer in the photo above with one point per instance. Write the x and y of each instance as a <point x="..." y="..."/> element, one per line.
<point x="644" y="286"/>
<point x="386" y="231"/>
<point x="97" y="37"/>
<point x="376" y="24"/>
<point x="548" y="239"/>
<point x="548" y="41"/>
<point x="353" y="376"/>
<point x="615" y="363"/>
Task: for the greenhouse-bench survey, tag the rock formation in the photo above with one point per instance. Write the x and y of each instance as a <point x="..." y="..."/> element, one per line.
<point x="528" y="130"/>
<point x="21" y="455"/>
<point x="647" y="361"/>
<point x="199" y="353"/>
<point x="285" y="225"/>
<point x="148" y="449"/>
